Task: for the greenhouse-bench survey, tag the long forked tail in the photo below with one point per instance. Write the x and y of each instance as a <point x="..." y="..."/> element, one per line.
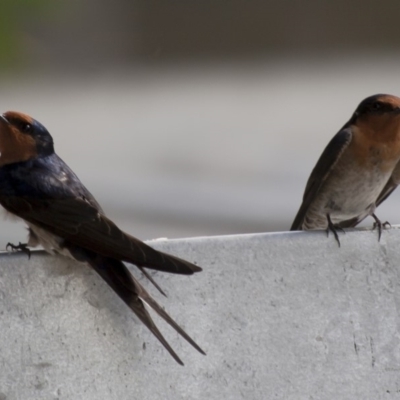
<point x="116" y="274"/>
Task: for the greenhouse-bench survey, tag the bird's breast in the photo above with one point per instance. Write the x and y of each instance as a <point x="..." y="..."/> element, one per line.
<point x="350" y="190"/>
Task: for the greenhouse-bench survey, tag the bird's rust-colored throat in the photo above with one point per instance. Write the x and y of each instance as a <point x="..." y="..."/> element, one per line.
<point x="15" y="146"/>
<point x="377" y="136"/>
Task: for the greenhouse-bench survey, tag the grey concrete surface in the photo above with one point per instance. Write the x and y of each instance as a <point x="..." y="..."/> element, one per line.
<point x="280" y="315"/>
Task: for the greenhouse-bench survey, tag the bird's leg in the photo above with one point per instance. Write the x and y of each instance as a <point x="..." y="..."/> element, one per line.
<point x="333" y="228"/>
<point x="379" y="225"/>
<point x="20" y="247"/>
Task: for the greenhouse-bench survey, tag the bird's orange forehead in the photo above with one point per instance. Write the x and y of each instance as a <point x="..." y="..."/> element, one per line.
<point x="15" y="146"/>
<point x="10" y="115"/>
<point x="389" y="99"/>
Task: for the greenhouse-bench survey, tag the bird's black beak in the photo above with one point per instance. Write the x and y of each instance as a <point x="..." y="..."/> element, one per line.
<point x="5" y="127"/>
<point x="4" y="124"/>
<point x="3" y="119"/>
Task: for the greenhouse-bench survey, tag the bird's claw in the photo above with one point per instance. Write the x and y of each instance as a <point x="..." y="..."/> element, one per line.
<point x="20" y="247"/>
<point x="379" y="225"/>
<point x="333" y="228"/>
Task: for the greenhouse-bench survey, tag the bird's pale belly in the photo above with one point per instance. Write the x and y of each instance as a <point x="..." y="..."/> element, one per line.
<point x="346" y="196"/>
<point x="51" y="243"/>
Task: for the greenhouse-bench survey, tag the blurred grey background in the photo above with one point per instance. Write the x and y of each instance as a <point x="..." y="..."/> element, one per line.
<point x="192" y="118"/>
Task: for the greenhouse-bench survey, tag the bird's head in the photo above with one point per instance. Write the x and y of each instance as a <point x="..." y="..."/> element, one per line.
<point x="377" y="118"/>
<point x="22" y="138"/>
<point x="379" y="106"/>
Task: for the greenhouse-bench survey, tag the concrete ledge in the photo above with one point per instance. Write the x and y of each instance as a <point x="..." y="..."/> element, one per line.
<point x="281" y="316"/>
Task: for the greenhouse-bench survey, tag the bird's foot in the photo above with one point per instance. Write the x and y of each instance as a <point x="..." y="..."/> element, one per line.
<point x="333" y="228"/>
<point x="20" y="247"/>
<point x="379" y="225"/>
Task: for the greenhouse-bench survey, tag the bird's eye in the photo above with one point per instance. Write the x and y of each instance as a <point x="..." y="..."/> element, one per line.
<point x="377" y="105"/>
<point x="25" y="127"/>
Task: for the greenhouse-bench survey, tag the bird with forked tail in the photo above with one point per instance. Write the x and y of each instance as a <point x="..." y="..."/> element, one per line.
<point x="357" y="171"/>
<point x="64" y="218"/>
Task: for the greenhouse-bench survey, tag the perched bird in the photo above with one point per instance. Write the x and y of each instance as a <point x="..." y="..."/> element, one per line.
<point x="63" y="217"/>
<point x="358" y="169"/>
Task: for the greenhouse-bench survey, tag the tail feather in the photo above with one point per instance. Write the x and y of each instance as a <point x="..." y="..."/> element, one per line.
<point x="144" y="295"/>
<point x="149" y="277"/>
<point x="116" y="274"/>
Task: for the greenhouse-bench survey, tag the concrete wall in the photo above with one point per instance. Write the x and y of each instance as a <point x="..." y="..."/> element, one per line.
<point x="281" y="316"/>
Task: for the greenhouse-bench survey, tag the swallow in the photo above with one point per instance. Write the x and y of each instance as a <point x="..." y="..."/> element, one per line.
<point x="357" y="171"/>
<point x="64" y="218"/>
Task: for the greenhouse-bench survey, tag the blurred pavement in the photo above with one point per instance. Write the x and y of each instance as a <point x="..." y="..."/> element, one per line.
<point x="198" y="151"/>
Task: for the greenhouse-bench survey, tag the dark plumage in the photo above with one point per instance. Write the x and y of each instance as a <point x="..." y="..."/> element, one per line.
<point x="63" y="217"/>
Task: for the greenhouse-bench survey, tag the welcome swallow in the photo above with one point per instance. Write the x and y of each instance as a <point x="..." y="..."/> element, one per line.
<point x="63" y="217"/>
<point x="358" y="169"/>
